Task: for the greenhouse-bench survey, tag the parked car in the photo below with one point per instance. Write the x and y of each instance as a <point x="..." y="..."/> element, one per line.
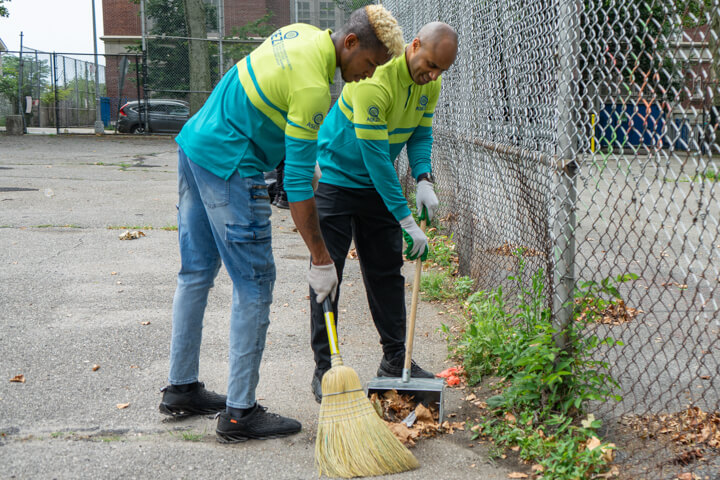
<point x="166" y="116"/>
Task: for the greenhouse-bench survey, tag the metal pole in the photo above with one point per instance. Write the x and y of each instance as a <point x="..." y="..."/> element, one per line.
<point x="565" y="194"/>
<point x="144" y="54"/>
<point x="99" y="127"/>
<point x="221" y="34"/>
<point x="55" y="91"/>
<point x="21" y="111"/>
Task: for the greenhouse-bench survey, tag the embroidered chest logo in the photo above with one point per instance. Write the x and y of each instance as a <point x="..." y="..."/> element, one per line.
<point x="316" y="121"/>
<point x="373" y="113"/>
<point x="422" y="103"/>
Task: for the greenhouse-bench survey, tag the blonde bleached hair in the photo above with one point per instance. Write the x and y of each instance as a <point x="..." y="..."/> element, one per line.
<point x="386" y="28"/>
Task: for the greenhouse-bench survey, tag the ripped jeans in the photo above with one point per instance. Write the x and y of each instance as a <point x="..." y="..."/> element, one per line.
<point x="222" y="221"/>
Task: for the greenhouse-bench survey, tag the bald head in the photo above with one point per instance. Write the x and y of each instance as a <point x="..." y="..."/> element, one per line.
<point x="431" y="52"/>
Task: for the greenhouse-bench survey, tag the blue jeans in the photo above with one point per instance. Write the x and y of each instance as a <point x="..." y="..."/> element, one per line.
<point x="224" y="221"/>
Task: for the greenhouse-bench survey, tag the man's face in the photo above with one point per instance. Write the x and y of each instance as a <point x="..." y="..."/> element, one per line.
<point x="426" y="62"/>
<point x="357" y="63"/>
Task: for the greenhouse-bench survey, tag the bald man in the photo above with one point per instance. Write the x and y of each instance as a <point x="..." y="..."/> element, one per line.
<point x="359" y="196"/>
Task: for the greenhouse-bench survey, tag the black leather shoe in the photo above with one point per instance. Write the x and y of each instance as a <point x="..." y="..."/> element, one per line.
<point x="316" y="384"/>
<point x="192" y="399"/>
<point x="257" y="424"/>
<point x="394" y="368"/>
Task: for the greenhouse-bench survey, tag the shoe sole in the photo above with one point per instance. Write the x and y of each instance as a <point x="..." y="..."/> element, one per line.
<point x="230" y="438"/>
<point x="180" y="412"/>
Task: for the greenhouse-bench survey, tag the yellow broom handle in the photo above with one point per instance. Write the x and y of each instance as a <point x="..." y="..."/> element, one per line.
<point x="410" y="336"/>
<point x="330" y="325"/>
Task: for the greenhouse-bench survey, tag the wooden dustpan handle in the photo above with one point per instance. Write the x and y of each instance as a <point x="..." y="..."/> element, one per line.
<point x="410" y="336"/>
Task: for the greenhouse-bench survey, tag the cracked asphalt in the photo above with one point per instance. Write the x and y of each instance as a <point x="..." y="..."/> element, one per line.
<point x="74" y="296"/>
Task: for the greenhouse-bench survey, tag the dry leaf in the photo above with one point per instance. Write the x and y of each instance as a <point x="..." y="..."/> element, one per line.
<point x="510" y="418"/>
<point x="95" y="367"/>
<point x="403" y="433"/>
<point x="144" y="323"/>
<point x="593" y="443"/>
<point x="685" y="476"/>
<point x="517" y="475"/>
<point x="122" y="405"/>
<point x="18" y="378"/>
<point x="423" y="414"/>
<point x="128" y="235"/>
<point x="537" y="468"/>
<point x="516" y="448"/>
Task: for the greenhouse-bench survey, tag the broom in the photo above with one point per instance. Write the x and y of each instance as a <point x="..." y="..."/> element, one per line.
<point x="352" y="440"/>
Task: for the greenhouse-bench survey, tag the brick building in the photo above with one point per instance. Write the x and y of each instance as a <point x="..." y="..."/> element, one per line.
<point x="123" y="29"/>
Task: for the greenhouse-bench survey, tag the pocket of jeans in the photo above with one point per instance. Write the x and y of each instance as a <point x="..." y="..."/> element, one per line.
<point x="254" y="249"/>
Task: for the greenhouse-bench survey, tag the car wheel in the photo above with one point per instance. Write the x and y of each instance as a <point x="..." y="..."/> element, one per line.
<point x="137" y="129"/>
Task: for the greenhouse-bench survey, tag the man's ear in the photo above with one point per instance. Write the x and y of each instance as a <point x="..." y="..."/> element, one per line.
<point x="415" y="45"/>
<point x="351" y="40"/>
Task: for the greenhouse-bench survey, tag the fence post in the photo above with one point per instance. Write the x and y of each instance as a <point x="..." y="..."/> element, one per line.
<point x="21" y="111"/>
<point x="563" y="221"/>
<point x="145" y="60"/>
<point x="55" y="93"/>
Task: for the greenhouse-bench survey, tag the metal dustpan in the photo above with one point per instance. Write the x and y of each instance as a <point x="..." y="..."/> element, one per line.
<point x="428" y="391"/>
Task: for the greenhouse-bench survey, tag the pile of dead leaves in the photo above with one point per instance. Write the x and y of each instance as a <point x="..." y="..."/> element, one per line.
<point x="409" y="420"/>
<point x="689" y="427"/>
<point x="615" y="313"/>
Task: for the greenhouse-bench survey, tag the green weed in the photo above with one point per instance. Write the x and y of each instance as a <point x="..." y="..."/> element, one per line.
<point x="545" y="389"/>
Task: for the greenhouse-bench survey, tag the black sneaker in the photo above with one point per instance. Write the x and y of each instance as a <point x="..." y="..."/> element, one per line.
<point x="394" y="368"/>
<point x="192" y="399"/>
<point x="258" y="424"/>
<point x="281" y="200"/>
<point x="316" y="384"/>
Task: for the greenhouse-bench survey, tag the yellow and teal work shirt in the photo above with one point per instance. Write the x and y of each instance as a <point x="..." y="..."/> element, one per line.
<point x="367" y="128"/>
<point x="270" y="105"/>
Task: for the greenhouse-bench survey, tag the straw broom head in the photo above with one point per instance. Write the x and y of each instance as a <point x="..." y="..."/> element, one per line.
<point x="352" y="440"/>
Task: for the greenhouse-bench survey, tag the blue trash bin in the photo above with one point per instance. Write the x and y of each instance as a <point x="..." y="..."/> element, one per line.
<point x="105" y="110"/>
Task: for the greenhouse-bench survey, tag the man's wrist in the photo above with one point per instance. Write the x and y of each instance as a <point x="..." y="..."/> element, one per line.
<point x="428" y="176"/>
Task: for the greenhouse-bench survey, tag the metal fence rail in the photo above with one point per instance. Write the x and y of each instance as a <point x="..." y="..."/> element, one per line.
<point x="587" y="133"/>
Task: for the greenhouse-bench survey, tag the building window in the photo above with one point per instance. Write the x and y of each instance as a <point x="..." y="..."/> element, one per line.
<point x="327" y="15"/>
<point x="303" y="12"/>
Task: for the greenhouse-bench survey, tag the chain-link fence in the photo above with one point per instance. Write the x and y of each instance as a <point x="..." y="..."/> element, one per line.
<point x="586" y="132"/>
<point x="52" y="90"/>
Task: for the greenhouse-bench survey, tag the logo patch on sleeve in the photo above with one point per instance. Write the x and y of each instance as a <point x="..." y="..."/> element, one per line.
<point x="373" y="113"/>
<point x="423" y="103"/>
<point x="317" y="120"/>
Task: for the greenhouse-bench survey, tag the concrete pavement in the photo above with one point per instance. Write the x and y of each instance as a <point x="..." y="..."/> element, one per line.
<point x="72" y="295"/>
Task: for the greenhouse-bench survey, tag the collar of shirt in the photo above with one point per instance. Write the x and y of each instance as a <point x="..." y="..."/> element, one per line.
<point x="327" y="50"/>
<point x="403" y="73"/>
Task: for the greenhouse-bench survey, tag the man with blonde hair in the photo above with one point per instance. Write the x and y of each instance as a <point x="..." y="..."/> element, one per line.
<point x="359" y="197"/>
<point x="268" y="106"/>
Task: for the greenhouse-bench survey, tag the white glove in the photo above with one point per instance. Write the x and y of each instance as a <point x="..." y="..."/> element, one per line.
<point x="316" y="176"/>
<point x="417" y="242"/>
<point x="425" y="197"/>
<point x="323" y="279"/>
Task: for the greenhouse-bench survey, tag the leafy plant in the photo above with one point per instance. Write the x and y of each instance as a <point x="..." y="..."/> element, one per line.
<point x="545" y="388"/>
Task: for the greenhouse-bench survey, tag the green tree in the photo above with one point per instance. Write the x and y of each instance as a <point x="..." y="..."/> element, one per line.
<point x="168" y="70"/>
<point x="3" y="9"/>
<point x="33" y="79"/>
